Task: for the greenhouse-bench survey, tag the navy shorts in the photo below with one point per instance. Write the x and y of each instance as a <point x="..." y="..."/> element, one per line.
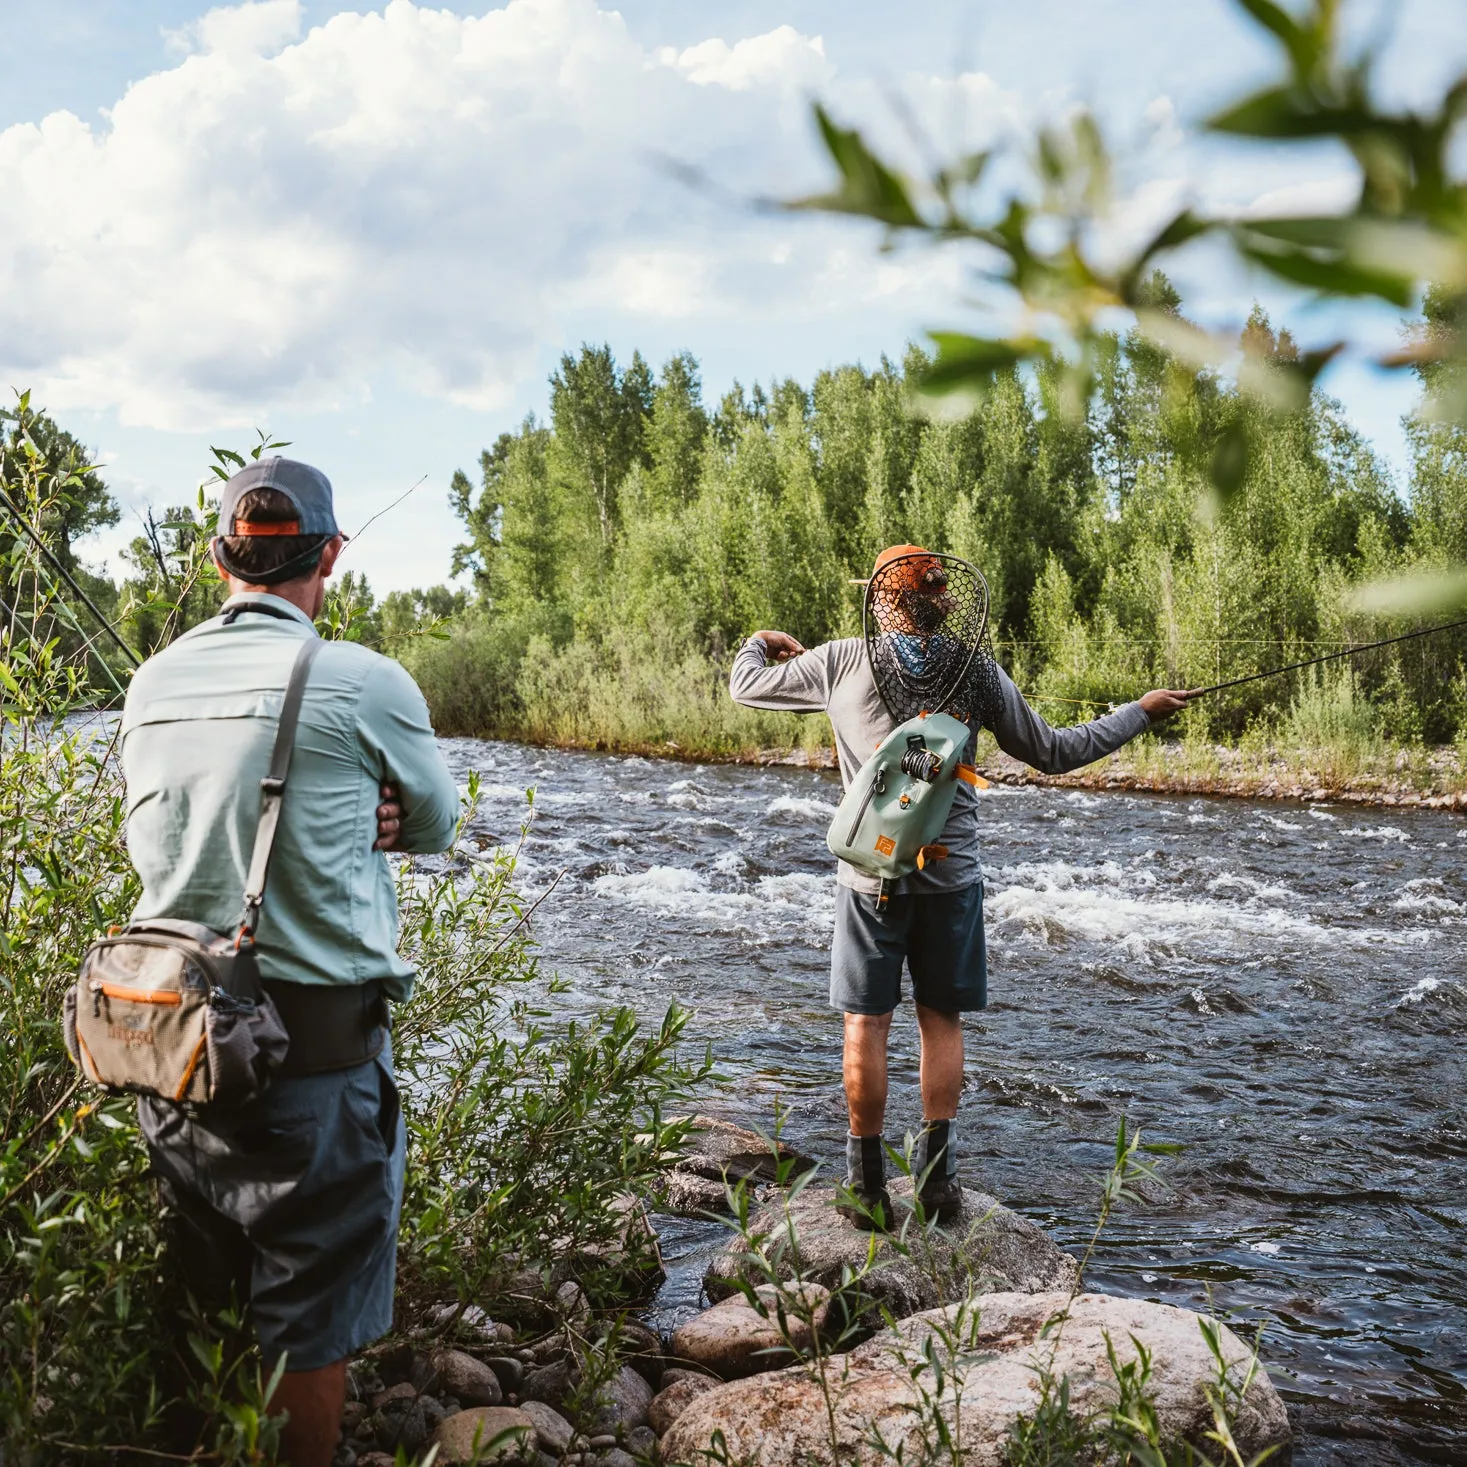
<point x="291" y="1202"/>
<point x="938" y="934"/>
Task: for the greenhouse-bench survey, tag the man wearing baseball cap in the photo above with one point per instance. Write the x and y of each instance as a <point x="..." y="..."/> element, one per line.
<point x="291" y="1199"/>
<point x="932" y="921"/>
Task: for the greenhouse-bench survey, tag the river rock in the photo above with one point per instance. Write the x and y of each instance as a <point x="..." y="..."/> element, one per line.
<point x="455" y="1437"/>
<point x="734" y="1339"/>
<point x="987" y="1249"/>
<point x="718" y="1151"/>
<point x="471" y="1381"/>
<point x="672" y="1400"/>
<point x="622" y="1402"/>
<point x="552" y="1430"/>
<point x="509" y="1371"/>
<point x="548" y="1383"/>
<point x="780" y="1420"/>
<point x="401" y="1419"/>
<point x="353" y="1413"/>
<point x="688" y="1194"/>
<point x="639" y="1346"/>
<point x="469" y="1321"/>
<point x="571" y="1304"/>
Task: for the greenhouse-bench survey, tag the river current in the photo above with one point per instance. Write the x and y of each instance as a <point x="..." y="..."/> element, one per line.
<point x="1279" y="988"/>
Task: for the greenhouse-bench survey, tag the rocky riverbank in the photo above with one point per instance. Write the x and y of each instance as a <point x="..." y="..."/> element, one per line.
<point x="1425" y="778"/>
<point x="1431" y="778"/>
<point x="819" y="1339"/>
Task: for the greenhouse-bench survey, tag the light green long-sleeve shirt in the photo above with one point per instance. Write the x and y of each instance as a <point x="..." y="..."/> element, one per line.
<point x="197" y="731"/>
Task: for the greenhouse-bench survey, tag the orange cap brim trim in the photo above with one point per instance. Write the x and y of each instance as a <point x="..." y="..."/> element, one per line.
<point x="251" y="528"/>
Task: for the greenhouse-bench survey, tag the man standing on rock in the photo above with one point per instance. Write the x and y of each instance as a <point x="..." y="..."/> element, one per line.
<point x="291" y="1198"/>
<point x="933" y="919"/>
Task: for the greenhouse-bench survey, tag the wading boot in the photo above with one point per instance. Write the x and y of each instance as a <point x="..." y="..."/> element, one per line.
<point x="936" y="1163"/>
<point x="865" y="1177"/>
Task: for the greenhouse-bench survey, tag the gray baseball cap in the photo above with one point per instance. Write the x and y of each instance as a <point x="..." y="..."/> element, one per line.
<point x="306" y="488"/>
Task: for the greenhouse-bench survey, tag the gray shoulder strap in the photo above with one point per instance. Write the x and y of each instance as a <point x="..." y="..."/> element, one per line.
<point x="272" y="787"/>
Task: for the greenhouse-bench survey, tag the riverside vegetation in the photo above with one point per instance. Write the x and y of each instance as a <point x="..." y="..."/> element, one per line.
<point x="529" y="1141"/>
<point x="620" y="550"/>
<point x="617" y="552"/>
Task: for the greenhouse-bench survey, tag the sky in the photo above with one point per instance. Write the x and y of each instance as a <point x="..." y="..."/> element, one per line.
<point x="374" y="230"/>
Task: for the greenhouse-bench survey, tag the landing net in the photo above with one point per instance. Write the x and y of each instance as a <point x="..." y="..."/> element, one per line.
<point x="926" y="628"/>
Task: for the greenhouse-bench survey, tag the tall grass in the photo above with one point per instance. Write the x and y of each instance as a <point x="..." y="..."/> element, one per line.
<point x="626" y="693"/>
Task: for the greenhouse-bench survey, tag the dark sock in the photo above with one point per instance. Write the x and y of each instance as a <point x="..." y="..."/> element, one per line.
<point x="865" y="1163"/>
<point x="937" y="1142"/>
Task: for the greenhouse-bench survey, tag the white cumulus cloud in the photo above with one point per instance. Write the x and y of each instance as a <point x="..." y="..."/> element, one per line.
<point x="416" y="199"/>
<point x="255" y="27"/>
<point x="782" y="56"/>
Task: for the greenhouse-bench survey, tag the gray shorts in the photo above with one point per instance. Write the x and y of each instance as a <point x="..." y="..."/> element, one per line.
<point x="292" y="1202"/>
<point x="938" y="934"/>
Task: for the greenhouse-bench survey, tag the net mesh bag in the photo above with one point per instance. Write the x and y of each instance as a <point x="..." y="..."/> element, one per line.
<point x="926" y="629"/>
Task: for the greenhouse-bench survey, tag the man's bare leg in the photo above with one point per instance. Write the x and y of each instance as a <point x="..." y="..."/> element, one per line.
<point x="935" y="1159"/>
<point x="863" y="1067"/>
<point x="315" y="1399"/>
<point x="942" y="1063"/>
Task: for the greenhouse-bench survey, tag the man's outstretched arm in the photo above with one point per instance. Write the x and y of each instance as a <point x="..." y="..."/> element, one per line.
<point x="1023" y="734"/>
<point x="772" y="670"/>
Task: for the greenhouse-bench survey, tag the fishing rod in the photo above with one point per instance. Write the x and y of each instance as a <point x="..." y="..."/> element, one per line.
<point x="1253" y="677"/>
<point x="66" y="575"/>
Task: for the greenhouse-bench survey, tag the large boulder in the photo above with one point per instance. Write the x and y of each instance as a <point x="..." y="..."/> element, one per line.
<point x="781" y="1420"/>
<point x="734" y="1339"/>
<point x="987" y="1249"/>
<point x="718" y="1152"/>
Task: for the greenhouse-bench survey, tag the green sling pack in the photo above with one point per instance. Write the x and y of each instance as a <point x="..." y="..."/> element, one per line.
<point x="888" y="823"/>
<point x="174" y="1009"/>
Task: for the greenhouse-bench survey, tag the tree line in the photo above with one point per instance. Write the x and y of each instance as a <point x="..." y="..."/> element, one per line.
<point x="639" y="524"/>
<point x="616" y="551"/>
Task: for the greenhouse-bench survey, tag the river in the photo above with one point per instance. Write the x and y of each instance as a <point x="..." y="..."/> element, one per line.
<point x="1279" y="988"/>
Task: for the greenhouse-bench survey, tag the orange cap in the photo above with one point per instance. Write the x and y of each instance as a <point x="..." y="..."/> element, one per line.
<point x="911" y="575"/>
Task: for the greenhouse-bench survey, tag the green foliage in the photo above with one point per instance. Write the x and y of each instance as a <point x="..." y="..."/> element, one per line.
<point x="1036" y="241"/>
<point x="1105" y="579"/>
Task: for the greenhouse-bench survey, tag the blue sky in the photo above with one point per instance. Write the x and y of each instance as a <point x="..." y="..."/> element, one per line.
<point x="374" y="230"/>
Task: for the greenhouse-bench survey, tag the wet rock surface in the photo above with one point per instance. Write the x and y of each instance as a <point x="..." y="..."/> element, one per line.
<point x="719" y="1154"/>
<point x="780" y="1420"/>
<point x="988" y="1249"/>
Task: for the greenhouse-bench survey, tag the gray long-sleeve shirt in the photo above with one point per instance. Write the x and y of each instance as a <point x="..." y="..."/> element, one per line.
<point x="835" y="679"/>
